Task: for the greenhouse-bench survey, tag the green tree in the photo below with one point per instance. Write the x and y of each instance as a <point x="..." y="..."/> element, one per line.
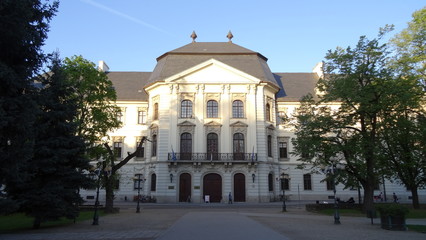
<point x="357" y="79"/>
<point x="23" y="29"/>
<point x="95" y="95"/>
<point x="97" y="115"/>
<point x="404" y="149"/>
<point x="404" y="129"/>
<point x="410" y="45"/>
<point x="55" y="171"/>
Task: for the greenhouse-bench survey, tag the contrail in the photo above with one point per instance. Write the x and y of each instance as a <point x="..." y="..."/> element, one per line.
<point x="123" y="15"/>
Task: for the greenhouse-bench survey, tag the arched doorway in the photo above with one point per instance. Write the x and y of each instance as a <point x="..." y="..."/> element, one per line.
<point x="239" y="187"/>
<point x="212" y="186"/>
<point x="184" y="187"/>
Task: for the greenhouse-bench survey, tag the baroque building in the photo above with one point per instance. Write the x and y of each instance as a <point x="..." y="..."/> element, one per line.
<point x="211" y="114"/>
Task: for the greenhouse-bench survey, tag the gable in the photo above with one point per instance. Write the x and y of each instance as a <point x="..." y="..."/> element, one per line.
<point x="212" y="71"/>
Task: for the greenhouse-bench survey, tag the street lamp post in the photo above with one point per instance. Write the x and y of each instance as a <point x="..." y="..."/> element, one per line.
<point x="283" y="177"/>
<point x="138" y="209"/>
<point x="97" y="173"/>
<point x="336" y="203"/>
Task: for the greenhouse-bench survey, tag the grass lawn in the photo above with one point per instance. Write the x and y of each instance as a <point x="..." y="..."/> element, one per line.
<point x="19" y="221"/>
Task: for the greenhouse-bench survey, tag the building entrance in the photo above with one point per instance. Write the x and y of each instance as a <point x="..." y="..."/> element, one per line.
<point x="239" y="187"/>
<point x="185" y="187"/>
<point x="212" y="186"/>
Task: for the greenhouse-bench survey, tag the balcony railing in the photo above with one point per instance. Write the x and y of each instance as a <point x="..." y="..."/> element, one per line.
<point x="214" y="157"/>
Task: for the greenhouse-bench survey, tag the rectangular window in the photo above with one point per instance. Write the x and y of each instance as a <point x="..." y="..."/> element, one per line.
<point x="155" y="112"/>
<point x="329" y="182"/>
<point x="141" y="152"/>
<point x="153" y="182"/>
<point x="120" y="116"/>
<point x="269" y="146"/>
<point x="118" y="149"/>
<point x="283" y="149"/>
<point x="285" y="184"/>
<point x="137" y="182"/>
<point x="141" y="117"/>
<point x="154" y="145"/>
<point x="270" y="182"/>
<point x="307" y="182"/>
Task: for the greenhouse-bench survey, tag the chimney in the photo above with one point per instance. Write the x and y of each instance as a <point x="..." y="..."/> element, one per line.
<point x="318" y="69"/>
<point x="103" y="67"/>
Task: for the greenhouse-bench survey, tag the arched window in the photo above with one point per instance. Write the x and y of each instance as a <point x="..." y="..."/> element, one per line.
<point x="269" y="146"/>
<point x="268" y="112"/>
<point x="238" y="146"/>
<point x="212" y="109"/>
<point x="237" y="109"/>
<point x="186" y="109"/>
<point x="155" y="117"/>
<point x="185" y="146"/>
<point x="212" y="146"/>
<point x="154" y="145"/>
<point x="153" y="182"/>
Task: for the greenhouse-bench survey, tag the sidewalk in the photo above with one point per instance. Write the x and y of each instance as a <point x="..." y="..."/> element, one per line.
<point x="221" y="221"/>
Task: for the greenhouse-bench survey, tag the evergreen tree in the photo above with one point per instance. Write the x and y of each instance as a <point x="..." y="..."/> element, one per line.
<point x="56" y="169"/>
<point x="23" y="30"/>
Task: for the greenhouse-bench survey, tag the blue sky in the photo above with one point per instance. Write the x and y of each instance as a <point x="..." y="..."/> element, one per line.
<point x="293" y="34"/>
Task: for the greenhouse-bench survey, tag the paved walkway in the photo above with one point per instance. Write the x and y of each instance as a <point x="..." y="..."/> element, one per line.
<point x="218" y="221"/>
<point x="219" y="225"/>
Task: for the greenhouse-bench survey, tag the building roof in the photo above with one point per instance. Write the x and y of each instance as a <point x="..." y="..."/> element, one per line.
<point x="192" y="54"/>
<point x="129" y="85"/>
<point x="295" y="85"/>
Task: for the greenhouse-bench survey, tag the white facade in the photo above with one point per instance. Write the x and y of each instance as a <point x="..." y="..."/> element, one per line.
<point x="215" y="149"/>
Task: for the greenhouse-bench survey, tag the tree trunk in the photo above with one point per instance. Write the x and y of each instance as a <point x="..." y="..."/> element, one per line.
<point x="109" y="194"/>
<point x="415" y="198"/>
<point x="368" y="198"/>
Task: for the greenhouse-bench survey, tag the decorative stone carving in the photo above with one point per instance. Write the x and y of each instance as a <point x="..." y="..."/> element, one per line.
<point x="187" y="96"/>
<point x="186" y="126"/>
<point x="239" y="127"/>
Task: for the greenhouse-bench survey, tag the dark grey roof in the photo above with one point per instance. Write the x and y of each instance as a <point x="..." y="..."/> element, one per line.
<point x="192" y="54"/>
<point x="295" y="85"/>
<point x="129" y="85"/>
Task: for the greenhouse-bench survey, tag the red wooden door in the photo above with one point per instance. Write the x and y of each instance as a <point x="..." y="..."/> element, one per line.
<point x="239" y="187"/>
<point x="184" y="187"/>
<point x="212" y="186"/>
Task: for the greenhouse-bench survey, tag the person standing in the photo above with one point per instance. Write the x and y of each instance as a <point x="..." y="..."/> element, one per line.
<point x="395" y="198"/>
<point x="230" y="198"/>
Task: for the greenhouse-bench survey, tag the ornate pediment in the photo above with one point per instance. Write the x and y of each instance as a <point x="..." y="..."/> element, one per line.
<point x="186" y="124"/>
<point x="213" y="124"/>
<point x="238" y="124"/>
<point x="270" y="127"/>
